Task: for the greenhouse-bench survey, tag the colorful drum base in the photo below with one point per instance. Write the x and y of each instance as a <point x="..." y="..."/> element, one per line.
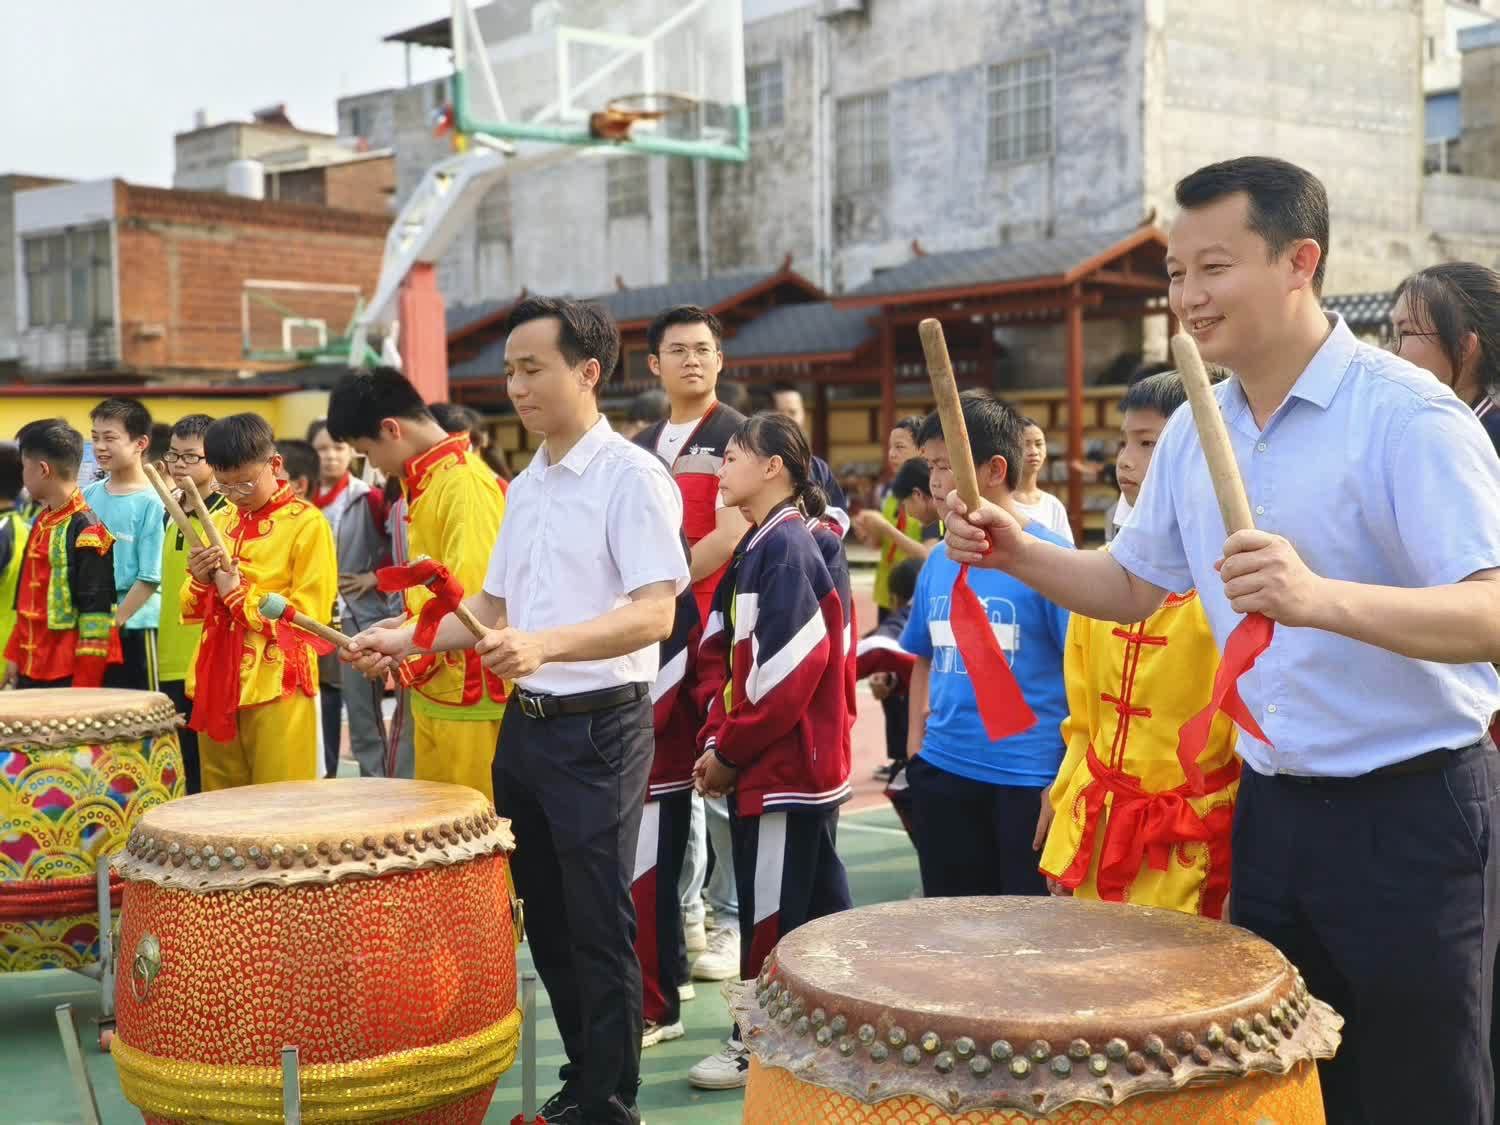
<point x="776" y="1097"/>
<point x="61" y="809"/>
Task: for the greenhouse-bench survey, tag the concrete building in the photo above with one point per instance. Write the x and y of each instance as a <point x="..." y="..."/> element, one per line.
<point x="110" y="278"/>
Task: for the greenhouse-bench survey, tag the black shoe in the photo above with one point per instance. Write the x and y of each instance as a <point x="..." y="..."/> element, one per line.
<point x="561" y="1109"/>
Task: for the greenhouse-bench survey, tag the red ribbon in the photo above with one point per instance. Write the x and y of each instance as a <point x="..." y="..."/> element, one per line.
<point x="1001" y="704"/>
<point x="1250" y="638"/>
<point x="1143" y="826"/>
<point x="447" y="594"/>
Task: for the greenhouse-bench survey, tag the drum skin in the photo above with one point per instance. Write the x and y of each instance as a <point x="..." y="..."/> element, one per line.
<point x="78" y="768"/>
<point x="368" y="922"/>
<point x="1020" y="1009"/>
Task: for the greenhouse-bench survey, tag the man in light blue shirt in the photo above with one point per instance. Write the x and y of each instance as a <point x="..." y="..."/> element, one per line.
<point x="1364" y="842"/>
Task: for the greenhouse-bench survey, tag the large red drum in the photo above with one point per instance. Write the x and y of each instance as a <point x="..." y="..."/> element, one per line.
<point x="367" y="922"/>
<point x="1000" y="1010"/>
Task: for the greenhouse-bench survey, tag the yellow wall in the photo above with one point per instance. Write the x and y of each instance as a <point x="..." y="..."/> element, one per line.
<point x="288" y="414"/>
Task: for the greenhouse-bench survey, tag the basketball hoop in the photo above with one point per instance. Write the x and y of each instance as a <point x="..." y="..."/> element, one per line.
<point x="621" y="115"/>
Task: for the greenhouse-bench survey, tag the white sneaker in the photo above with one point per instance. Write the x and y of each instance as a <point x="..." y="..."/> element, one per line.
<point x="697" y="938"/>
<point x="687" y="991"/>
<point x="654" y="1033"/>
<point x="721" y="960"/>
<point x="728" y="1070"/>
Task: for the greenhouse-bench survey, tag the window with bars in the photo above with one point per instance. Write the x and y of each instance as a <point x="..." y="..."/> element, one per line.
<point x="863" y="125"/>
<point x="629" y="191"/>
<point x="764" y="96"/>
<point x="69" y="279"/>
<point x="1020" y="123"/>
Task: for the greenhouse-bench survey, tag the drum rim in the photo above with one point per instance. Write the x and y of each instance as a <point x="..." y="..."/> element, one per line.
<point x="134" y="715"/>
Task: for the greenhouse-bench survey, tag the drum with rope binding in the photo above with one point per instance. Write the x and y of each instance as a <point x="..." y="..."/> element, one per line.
<point x="78" y="768"/>
<point x="368" y="922"/>
<point x="1013" y="1009"/>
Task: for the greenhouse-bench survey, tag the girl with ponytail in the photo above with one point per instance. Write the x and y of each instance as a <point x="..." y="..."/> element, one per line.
<point x="775" y="678"/>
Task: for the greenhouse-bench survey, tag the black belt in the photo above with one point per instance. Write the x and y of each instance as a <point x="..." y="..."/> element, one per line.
<point x="535" y="706"/>
<point x="1430" y="762"/>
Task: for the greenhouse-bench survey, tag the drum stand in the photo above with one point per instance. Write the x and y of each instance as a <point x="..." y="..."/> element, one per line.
<point x="103" y="970"/>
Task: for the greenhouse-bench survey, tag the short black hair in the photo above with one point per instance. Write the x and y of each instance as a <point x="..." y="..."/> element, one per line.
<point x="1164" y="392"/>
<point x="682" y="314"/>
<point x="994" y="430"/>
<point x="902" y="581"/>
<point x="299" y="460"/>
<point x="161" y="441"/>
<point x="240" y="439"/>
<point x="132" y="415"/>
<point x="912" y="424"/>
<point x="914" y="475"/>
<point x="54" y="441"/>
<point x="457" y="419"/>
<point x="649" y="407"/>
<point x="10" y="471"/>
<point x="732" y="394"/>
<point x="584" y="331"/>
<point x="360" y="400"/>
<point x="191" y="425"/>
<point x="1287" y="203"/>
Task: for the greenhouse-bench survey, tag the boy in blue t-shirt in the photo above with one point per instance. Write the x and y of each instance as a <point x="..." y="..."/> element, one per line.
<point x="128" y="506"/>
<point x="974" y="802"/>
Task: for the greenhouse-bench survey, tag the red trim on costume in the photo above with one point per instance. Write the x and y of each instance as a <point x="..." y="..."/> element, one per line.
<point x="416" y="469"/>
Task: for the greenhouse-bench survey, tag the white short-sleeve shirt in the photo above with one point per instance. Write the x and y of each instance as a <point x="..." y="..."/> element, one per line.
<point x="578" y="537"/>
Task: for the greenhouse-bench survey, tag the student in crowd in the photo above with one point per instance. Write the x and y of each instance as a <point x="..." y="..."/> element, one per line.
<point x="458" y="419"/>
<point x="975" y="802"/>
<point x="161" y="441"/>
<point x="1030" y="498"/>
<point x="786" y="400"/>
<point x="646" y="409"/>
<point x="177" y="641"/>
<point x="901" y="446"/>
<point x="1376" y="496"/>
<point x="581" y="590"/>
<point x="1121" y="796"/>
<point x="299" y="467"/>
<point x="771" y="743"/>
<point x="356" y="512"/>
<point x="918" y="527"/>
<point x="454" y="514"/>
<point x="65" y="634"/>
<point x="131" y="510"/>
<point x="255" y="682"/>
<point x="13" y="532"/>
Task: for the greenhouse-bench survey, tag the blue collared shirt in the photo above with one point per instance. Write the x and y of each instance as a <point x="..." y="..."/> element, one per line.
<point x="1377" y="474"/>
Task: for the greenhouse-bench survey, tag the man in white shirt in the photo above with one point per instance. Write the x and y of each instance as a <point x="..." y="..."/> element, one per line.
<point x="580" y="591"/>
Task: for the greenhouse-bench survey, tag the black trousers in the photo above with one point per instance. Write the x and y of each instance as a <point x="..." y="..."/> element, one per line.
<point x="660" y="943"/>
<point x="331" y="716"/>
<point x="973" y="838"/>
<point x="574" y="788"/>
<point x="896" y="709"/>
<point x="138" y="670"/>
<point x="1383" y="892"/>
<point x="187" y="737"/>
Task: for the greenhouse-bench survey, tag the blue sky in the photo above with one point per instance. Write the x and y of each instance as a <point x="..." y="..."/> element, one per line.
<point x="97" y="88"/>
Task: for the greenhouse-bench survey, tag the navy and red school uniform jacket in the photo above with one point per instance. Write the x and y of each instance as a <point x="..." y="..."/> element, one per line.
<point x="881" y="651"/>
<point x="675" y="707"/>
<point x="774" y="674"/>
<point x="696" y="470"/>
<point x="828" y="534"/>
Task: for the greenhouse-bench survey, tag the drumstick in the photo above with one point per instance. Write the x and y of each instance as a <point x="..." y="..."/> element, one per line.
<point x="179" y="517"/>
<point x="196" y="498"/>
<point x="950" y="411"/>
<point x="274" y="606"/>
<point x="464" y="614"/>
<point x="1234" y="505"/>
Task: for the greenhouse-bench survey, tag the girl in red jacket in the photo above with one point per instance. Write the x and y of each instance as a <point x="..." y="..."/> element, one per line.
<point x="773" y="666"/>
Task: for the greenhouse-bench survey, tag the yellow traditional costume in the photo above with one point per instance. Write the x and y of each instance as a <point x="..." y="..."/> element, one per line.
<point x="1127" y="827"/>
<point x="254" y="683"/>
<point x="454" y="508"/>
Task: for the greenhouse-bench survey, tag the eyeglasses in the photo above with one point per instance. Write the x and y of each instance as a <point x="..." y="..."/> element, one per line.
<point x="248" y="487"/>
<point x="172" y="457"/>
<point x="1402" y="336"/>
<point x="680" y="352"/>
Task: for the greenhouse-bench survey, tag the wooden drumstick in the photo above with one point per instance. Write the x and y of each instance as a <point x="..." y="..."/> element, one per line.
<point x="274" y="606"/>
<point x="1213" y="436"/>
<point x="950" y="411"/>
<point x="179" y="517"/>
<point x="196" y="499"/>
<point x="464" y="614"/>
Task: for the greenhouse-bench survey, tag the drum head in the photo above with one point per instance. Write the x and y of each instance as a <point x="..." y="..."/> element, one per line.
<point x="79" y="716"/>
<point x="1027" y="1002"/>
<point x="311" y="831"/>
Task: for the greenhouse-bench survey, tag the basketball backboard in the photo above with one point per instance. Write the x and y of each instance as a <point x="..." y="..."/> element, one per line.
<point x="663" y="77"/>
<point x="285" y="321"/>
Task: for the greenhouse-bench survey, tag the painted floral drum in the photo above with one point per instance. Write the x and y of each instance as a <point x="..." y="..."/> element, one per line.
<point x="1017" y="1009"/>
<point x="78" y="768"/>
